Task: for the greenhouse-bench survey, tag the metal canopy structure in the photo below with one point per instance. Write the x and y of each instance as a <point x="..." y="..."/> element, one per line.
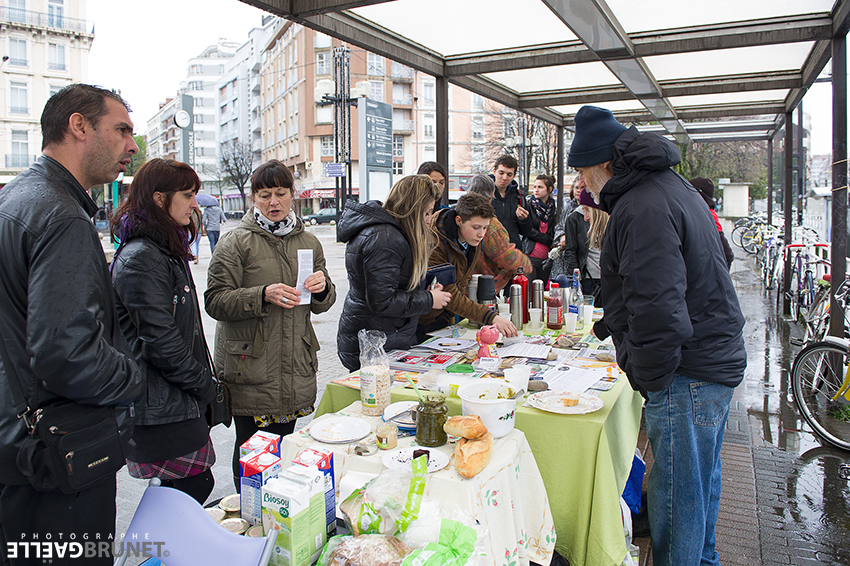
<point x="669" y="63"/>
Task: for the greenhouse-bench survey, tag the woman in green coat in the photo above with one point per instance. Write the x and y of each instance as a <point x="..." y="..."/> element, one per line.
<point x="265" y="347"/>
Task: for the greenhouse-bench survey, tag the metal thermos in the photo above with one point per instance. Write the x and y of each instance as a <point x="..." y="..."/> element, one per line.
<point x="472" y="288"/>
<point x="516" y="305"/>
<point x="537" y="294"/>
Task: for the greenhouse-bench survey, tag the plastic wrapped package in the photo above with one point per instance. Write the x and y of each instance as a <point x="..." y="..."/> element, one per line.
<point x="375" y="377"/>
<point x="440" y="538"/>
<point x="364" y="550"/>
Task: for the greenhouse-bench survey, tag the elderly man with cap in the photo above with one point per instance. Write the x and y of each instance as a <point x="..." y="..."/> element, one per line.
<point x="706" y="190"/>
<point x="674" y="317"/>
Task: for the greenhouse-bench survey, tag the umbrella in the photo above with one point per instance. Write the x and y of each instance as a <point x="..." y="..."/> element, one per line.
<point x="206" y="200"/>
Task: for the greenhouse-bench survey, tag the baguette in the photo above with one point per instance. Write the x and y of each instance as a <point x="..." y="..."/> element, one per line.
<point x="469" y="426"/>
<point x="472" y="456"/>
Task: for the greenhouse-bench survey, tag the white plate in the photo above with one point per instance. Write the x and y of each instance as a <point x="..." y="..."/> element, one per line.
<point x="400" y="459"/>
<point x="338" y="430"/>
<point x="398" y="407"/>
<point x="551" y="401"/>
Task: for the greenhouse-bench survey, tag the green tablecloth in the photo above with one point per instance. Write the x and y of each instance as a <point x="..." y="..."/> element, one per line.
<point x="584" y="461"/>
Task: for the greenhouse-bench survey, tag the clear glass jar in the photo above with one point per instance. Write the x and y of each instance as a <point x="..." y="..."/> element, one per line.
<point x="386" y="436"/>
<point x="432" y="413"/>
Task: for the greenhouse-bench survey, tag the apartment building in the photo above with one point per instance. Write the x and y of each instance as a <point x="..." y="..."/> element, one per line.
<point x="45" y="47"/>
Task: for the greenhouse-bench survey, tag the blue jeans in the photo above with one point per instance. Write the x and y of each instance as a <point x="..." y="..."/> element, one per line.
<point x="685" y="424"/>
<point x="213" y="237"/>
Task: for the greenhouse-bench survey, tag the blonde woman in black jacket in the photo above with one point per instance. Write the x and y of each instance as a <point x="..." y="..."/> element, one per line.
<point x="159" y="315"/>
<point x="386" y="257"/>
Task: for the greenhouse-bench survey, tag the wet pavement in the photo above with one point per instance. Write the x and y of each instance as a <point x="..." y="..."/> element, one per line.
<point x="783" y="501"/>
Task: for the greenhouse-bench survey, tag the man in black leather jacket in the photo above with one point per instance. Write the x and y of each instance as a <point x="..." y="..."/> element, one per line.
<point x="58" y="324"/>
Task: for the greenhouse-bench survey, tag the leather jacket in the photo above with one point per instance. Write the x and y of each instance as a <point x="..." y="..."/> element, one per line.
<point x="159" y="315"/>
<point x="59" y="333"/>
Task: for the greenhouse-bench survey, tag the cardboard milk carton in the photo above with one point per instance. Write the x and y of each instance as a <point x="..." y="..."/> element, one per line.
<point x="294" y="505"/>
<point x="323" y="460"/>
<point x="255" y="470"/>
<point x="261" y="442"/>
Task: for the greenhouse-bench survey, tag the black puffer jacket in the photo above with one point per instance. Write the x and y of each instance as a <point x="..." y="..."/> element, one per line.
<point x="506" y="212"/>
<point x="379" y="262"/>
<point x="575" y="230"/>
<point x="669" y="301"/>
<point x="58" y="324"/>
<point x="159" y="314"/>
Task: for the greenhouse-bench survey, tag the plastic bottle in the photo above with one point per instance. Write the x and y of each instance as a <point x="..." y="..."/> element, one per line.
<point x="576" y="300"/>
<point x="554" y="308"/>
<point x="521" y="280"/>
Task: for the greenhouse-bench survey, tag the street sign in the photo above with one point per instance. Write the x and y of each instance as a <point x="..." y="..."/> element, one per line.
<point x="334" y="169"/>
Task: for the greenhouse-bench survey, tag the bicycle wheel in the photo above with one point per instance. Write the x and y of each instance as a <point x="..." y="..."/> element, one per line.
<point x="770" y="268"/>
<point x="816" y="376"/>
<point x="750" y="240"/>
<point x="736" y="234"/>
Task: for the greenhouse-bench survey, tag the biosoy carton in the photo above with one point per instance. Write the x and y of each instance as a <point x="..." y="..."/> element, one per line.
<point x="255" y="470"/>
<point x="294" y="505"/>
<point x="323" y="460"/>
<point x="261" y="441"/>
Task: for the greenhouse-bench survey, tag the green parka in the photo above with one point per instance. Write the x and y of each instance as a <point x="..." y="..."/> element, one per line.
<point x="264" y="353"/>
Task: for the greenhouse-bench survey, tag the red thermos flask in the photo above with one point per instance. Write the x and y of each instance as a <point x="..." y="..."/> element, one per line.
<point x="521" y="280"/>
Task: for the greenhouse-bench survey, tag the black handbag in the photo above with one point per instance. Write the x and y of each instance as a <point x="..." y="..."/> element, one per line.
<point x="219" y="411"/>
<point x="71" y="447"/>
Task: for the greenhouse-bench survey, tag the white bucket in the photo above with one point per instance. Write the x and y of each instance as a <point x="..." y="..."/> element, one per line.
<point x="479" y="398"/>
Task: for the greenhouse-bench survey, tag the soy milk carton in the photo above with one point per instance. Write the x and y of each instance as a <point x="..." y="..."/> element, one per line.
<point x="323" y="460"/>
<point x="255" y="470"/>
<point x="261" y="441"/>
<point x="294" y="505"/>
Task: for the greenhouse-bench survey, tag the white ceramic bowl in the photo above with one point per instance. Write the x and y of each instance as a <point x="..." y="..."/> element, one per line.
<point x="479" y="398"/>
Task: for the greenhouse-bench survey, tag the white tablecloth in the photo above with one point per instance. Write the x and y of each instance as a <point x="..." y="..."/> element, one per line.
<point x="508" y="498"/>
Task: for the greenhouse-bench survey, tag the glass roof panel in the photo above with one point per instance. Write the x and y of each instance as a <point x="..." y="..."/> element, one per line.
<point x="555" y="78"/>
<point x="616" y="106"/>
<point x="450" y="27"/>
<point x="646" y="15"/>
<point x="719" y="62"/>
<point x="729" y="98"/>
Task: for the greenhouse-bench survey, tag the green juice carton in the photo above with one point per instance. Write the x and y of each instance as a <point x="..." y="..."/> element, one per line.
<point x="294" y="505"/>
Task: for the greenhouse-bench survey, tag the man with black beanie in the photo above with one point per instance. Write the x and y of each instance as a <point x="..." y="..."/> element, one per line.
<point x="675" y="320"/>
<point x="706" y="190"/>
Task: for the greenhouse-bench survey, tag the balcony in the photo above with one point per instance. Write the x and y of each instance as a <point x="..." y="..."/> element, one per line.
<point x="403" y="99"/>
<point x="57" y="66"/>
<point x="40" y="19"/>
<point x="19" y="62"/>
<point x="400" y="73"/>
<point x="16" y="160"/>
<point x="403" y="126"/>
<point x="19" y="110"/>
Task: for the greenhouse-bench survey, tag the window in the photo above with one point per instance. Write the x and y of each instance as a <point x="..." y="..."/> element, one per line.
<point x="323" y="63"/>
<point x="199" y="151"/>
<point x="328" y="148"/>
<point x="19" y="98"/>
<point x="321" y="40"/>
<point x="196" y="85"/>
<point x="20" y="149"/>
<point x="222" y="92"/>
<point x="377" y="91"/>
<point x="429" y="130"/>
<point x="324" y="114"/>
<point x="55" y="13"/>
<point x="430" y="153"/>
<point x="56" y="57"/>
<point x="198" y="102"/>
<point x="54" y="89"/>
<point x="196" y="70"/>
<point x="374" y="65"/>
<point x="428" y="94"/>
<point x="18" y="52"/>
<point x="17" y="10"/>
<point x="199" y="118"/>
<point x="477" y="158"/>
<point x="398" y="167"/>
<point x="477" y="101"/>
<point x="223" y="110"/>
<point x="398" y="146"/>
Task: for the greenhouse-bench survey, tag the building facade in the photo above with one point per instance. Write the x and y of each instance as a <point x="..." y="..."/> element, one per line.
<point x="46" y="46"/>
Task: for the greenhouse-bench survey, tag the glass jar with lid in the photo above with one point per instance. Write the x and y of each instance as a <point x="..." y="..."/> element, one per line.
<point x="432" y="413"/>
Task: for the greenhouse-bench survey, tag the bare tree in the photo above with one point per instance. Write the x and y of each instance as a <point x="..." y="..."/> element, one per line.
<point x="216" y="178"/>
<point x="237" y="162"/>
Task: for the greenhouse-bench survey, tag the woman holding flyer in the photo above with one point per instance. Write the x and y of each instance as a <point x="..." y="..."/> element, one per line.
<point x="257" y="288"/>
<point x="386" y="256"/>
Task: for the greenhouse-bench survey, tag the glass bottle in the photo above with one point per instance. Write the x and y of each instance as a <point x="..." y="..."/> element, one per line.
<point x="431" y="416"/>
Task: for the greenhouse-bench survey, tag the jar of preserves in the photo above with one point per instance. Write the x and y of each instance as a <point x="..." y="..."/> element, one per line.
<point x="431" y="416"/>
<point x="386" y="436"/>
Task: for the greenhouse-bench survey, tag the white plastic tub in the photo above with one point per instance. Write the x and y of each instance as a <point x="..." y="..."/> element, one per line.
<point x="480" y="398"/>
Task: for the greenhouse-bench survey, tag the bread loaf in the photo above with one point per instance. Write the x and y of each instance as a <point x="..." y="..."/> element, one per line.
<point x="472" y="456"/>
<point x="469" y="426"/>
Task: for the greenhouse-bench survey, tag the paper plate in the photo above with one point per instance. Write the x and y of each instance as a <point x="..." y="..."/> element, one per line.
<point x="395" y="408"/>
<point x="552" y="402"/>
<point x="400" y="459"/>
<point x="339" y="430"/>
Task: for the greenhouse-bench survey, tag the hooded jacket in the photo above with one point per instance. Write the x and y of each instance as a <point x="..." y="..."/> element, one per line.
<point x="506" y="212"/>
<point x="58" y="322"/>
<point x="669" y="301"/>
<point x="266" y="354"/>
<point x="448" y="250"/>
<point x="379" y="262"/>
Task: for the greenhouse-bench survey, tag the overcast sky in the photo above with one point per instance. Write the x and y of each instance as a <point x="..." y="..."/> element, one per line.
<point x="142" y="48"/>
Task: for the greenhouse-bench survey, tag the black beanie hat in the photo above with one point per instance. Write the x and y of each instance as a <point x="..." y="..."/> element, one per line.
<point x="705" y="188"/>
<point x="596" y="132"/>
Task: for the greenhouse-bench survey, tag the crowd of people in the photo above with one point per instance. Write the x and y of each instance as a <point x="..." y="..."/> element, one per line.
<point x="129" y="336"/>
